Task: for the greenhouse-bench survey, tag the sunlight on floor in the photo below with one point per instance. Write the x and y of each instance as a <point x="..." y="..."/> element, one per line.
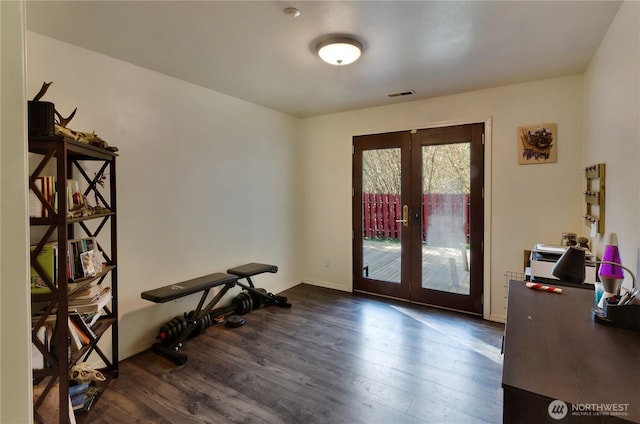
<point x="490" y="352"/>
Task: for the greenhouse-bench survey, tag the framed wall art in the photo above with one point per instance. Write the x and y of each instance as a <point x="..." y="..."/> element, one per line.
<point x="538" y="144"/>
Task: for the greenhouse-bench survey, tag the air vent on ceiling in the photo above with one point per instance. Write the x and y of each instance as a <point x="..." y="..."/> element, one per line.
<point x="402" y="93"/>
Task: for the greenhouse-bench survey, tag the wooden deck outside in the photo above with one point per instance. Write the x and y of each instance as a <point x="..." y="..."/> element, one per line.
<point x="443" y="268"/>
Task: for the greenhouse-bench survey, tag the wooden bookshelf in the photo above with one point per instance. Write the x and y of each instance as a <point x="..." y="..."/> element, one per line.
<point x="72" y="160"/>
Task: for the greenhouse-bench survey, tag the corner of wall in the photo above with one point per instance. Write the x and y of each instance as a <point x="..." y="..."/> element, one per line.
<point x="611" y="129"/>
<point x="15" y="319"/>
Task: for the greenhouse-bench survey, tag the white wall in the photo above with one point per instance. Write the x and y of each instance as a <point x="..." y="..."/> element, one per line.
<point x="528" y="203"/>
<point x="205" y="181"/>
<point x="248" y="161"/>
<point x="612" y="128"/>
<point x="15" y="320"/>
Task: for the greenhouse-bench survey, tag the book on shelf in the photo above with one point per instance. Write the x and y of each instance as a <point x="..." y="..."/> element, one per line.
<point x="37" y="357"/>
<point x="93" y="304"/>
<point x="75" y="199"/>
<point x="85" y="336"/>
<point x="81" y="262"/>
<point x="77" y="393"/>
<point x="78" y="388"/>
<point x="89" y="396"/>
<point x="85" y="406"/>
<point x="78" y="337"/>
<point x="50" y="194"/>
<point x="86" y="258"/>
<point x="82" y="324"/>
<point x="91" y="318"/>
<point x="86" y="295"/>
<point x="76" y="341"/>
<point x="46" y="185"/>
<point x="47" y="260"/>
<point x="44" y="334"/>
<point x="35" y="204"/>
<point x="90" y="299"/>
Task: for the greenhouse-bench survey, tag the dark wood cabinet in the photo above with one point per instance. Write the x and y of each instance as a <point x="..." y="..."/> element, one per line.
<point x="62" y="159"/>
<point x="555" y="352"/>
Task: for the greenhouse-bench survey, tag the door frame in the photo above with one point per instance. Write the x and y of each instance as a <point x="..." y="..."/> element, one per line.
<point x="487" y="313"/>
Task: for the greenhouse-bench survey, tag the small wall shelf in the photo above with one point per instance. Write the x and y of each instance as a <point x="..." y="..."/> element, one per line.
<point x="594" y="196"/>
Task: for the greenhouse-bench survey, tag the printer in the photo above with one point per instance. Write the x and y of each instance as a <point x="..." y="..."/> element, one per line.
<point x="542" y="259"/>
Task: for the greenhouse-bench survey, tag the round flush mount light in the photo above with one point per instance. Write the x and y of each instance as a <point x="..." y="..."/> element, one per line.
<point x="339" y="50"/>
<point x="292" y="11"/>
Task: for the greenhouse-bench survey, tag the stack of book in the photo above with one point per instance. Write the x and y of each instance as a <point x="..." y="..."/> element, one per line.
<point x="83" y="260"/>
<point x="89" y="396"/>
<point x="84" y="310"/>
<point x="78" y="395"/>
<point x="91" y="299"/>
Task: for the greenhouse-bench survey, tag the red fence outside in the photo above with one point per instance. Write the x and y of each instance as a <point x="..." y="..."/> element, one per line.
<point x="381" y="211"/>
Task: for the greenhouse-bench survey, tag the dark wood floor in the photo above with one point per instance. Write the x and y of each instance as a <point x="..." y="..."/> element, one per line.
<point x="334" y="357"/>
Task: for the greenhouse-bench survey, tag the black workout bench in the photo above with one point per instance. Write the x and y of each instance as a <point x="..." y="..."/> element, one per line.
<point x="176" y="291"/>
<point x="179" y="329"/>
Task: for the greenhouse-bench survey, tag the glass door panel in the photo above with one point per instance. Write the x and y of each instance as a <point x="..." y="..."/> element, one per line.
<point x="382" y="220"/>
<point x="445" y="217"/>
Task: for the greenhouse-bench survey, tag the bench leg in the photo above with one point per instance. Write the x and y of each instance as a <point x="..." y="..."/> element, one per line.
<point x="268" y="297"/>
<point x="171" y="351"/>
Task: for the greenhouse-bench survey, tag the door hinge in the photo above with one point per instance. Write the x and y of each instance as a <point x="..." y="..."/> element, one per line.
<point x="483" y="139"/>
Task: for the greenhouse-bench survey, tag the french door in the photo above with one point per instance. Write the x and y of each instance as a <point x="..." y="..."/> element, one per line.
<point x="418" y="215"/>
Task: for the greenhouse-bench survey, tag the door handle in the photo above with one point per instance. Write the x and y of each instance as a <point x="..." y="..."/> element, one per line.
<point x="405" y="216"/>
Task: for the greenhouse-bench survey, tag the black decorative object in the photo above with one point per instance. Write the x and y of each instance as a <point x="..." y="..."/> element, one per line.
<point x="622" y="316"/>
<point x="41" y="119"/>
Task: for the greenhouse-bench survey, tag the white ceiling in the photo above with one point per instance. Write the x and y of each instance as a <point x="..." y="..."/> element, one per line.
<point x="253" y="51"/>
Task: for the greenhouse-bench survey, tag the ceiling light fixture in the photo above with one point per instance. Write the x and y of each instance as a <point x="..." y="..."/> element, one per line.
<point x="339" y="50"/>
<point x="292" y="11"/>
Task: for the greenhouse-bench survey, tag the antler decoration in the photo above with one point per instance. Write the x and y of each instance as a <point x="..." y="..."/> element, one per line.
<point x="43" y="90"/>
<point x="64" y="121"/>
<point x="61" y="126"/>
